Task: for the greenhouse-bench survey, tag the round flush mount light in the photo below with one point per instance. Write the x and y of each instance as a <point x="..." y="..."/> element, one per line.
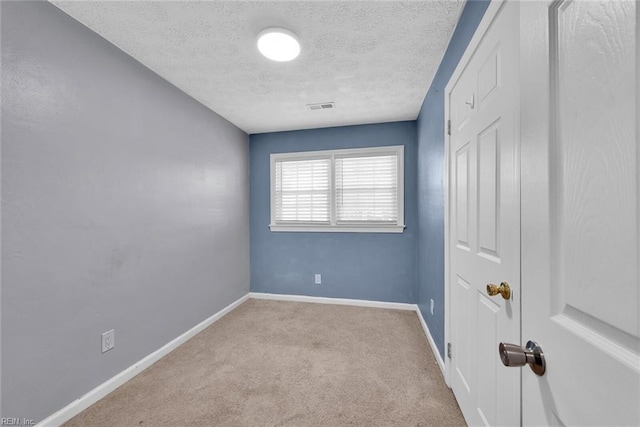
<point x="278" y="44"/>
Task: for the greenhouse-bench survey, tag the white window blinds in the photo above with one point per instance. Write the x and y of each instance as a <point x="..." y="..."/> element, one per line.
<point x="367" y="189"/>
<point x="302" y="191"/>
<point x="347" y="190"/>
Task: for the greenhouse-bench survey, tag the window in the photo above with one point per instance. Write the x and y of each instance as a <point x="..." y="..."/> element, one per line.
<point x="354" y="190"/>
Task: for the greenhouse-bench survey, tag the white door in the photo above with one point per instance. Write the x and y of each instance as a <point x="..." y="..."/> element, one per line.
<point x="580" y="211"/>
<point x="484" y="237"/>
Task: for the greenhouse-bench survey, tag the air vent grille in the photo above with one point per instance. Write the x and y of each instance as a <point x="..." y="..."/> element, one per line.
<point x="321" y="106"/>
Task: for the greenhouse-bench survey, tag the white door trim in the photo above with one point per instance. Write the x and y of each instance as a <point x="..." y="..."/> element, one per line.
<point x="492" y="11"/>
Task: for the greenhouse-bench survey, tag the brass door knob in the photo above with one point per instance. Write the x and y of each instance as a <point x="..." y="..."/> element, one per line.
<point x="503" y="289"/>
<point x="515" y="356"/>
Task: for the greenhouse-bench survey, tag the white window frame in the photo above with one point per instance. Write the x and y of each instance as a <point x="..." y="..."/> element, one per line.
<point x="333" y="227"/>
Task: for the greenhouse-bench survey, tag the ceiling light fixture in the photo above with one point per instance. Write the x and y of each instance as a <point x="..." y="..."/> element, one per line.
<point x="278" y="44"/>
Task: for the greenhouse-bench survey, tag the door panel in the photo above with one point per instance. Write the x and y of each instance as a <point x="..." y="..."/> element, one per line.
<point x="462" y="197"/>
<point x="488" y="192"/>
<point x="485" y="245"/>
<point x="488" y="77"/>
<point x="596" y="217"/>
<point x="580" y="195"/>
<point x="488" y="318"/>
<point x="461" y="293"/>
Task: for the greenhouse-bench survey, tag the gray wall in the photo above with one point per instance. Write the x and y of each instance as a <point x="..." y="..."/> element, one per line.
<point x="124" y="205"/>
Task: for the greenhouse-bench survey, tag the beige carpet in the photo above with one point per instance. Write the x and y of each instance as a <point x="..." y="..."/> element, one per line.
<point x="273" y="363"/>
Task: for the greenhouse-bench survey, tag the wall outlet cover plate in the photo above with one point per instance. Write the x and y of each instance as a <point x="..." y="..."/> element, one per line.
<point x="108" y="340"/>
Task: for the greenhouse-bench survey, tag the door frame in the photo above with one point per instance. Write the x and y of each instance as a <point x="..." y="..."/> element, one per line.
<point x="489" y="16"/>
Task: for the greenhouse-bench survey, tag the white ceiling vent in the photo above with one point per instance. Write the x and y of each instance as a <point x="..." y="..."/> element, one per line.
<point x="321" y="106"/>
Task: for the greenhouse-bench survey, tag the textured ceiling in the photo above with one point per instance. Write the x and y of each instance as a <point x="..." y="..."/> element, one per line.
<point x="374" y="59"/>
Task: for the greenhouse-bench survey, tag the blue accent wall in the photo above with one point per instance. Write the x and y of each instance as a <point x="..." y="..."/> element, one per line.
<point x="406" y="267"/>
<point x="430" y="173"/>
<point x="371" y="266"/>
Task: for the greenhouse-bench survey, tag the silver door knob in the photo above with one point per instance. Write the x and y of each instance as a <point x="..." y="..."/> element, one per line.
<point x="515" y="355"/>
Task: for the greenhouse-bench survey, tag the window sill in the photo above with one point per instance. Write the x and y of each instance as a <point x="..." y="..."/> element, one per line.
<point x="338" y="228"/>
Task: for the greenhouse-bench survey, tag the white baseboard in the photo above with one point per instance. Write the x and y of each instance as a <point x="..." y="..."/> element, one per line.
<point x="337" y="301"/>
<point x="432" y="342"/>
<point x="79" y="405"/>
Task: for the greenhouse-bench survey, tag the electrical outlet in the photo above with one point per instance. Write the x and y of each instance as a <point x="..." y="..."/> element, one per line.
<point x="108" y="340"/>
<point x="318" y="279"/>
<point x="431" y="306"/>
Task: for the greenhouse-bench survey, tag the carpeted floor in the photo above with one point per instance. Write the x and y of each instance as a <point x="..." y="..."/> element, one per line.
<point x="274" y="363"/>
